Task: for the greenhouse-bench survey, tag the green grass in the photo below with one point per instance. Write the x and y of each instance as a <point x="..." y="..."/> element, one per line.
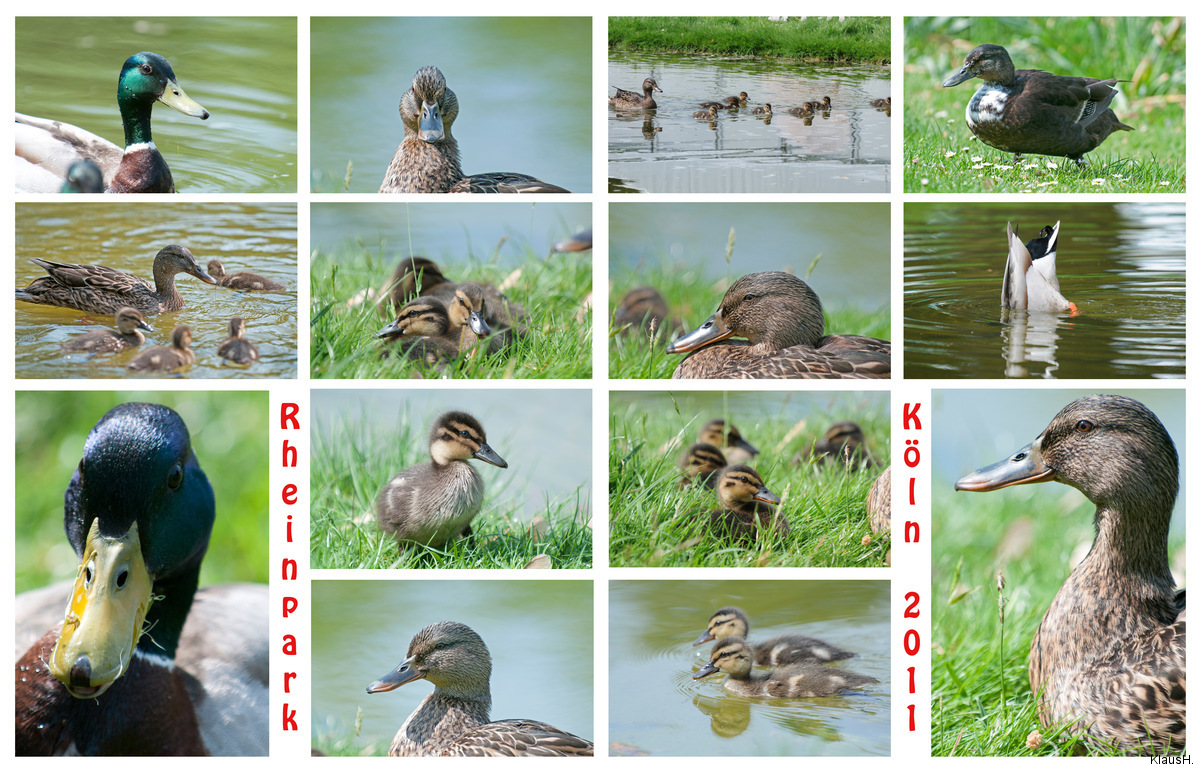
<point x="857" y="39"/>
<point x="655" y="523"/>
<point x="941" y="154"/>
<point x="345" y="319"/>
<point x="352" y="462"/>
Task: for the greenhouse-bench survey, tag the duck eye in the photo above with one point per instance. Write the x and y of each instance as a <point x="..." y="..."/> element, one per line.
<point x="146" y="69"/>
<point x="122" y="577"/>
<point x="440" y="646"/>
<point x="750" y="297"/>
<point x="175" y="479"/>
<point x="1084" y="426"/>
<point x="89" y="573"/>
<point x="463" y="433"/>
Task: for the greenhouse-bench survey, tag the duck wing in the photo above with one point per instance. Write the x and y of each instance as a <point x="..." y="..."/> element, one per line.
<point x="52" y="147"/>
<point x="1089" y="95"/>
<point x="518" y="738"/>
<point x="504" y="183"/>
<point x="624" y="95"/>
<point x="94" y="276"/>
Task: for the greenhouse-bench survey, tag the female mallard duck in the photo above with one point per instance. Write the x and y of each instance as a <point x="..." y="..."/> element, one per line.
<point x="433" y="503"/>
<point x="169" y="358"/>
<point x="130" y="325"/>
<point x="241" y="281"/>
<point x="734" y="657"/>
<point x="782" y="650"/>
<point x="781" y="318"/>
<point x="104" y="290"/>
<point x="427" y="158"/>
<point x="1027" y="111"/>
<point x="46" y="149"/>
<point x="724" y="435"/>
<point x="804" y="111"/>
<point x="706" y="114"/>
<point x="747" y="512"/>
<point x="454" y="719"/>
<point x="843" y="444"/>
<point x="700" y="464"/>
<point x="1107" y="659"/>
<point x="1030" y="274"/>
<point x="83" y="177"/>
<point x="124" y="675"/>
<point x="630" y="100"/>
<point x="882" y="103"/>
<point x="765" y="109"/>
<point x="237" y="348"/>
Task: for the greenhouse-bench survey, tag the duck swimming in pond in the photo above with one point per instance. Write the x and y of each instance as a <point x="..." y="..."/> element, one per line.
<point x="624" y="99"/>
<point x="1030" y="275"/>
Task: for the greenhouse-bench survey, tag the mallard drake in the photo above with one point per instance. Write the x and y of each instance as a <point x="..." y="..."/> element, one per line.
<point x="241" y="281"/>
<point x="104" y="290"/>
<point x="747" y="512"/>
<point x="734" y="657"/>
<point x="454" y="719"/>
<point x="237" y="348"/>
<point x="843" y="444"/>
<point x="700" y="464"/>
<point x="624" y="99"/>
<point x="782" y="650"/>
<point x="1030" y="274"/>
<point x="642" y="312"/>
<point x="804" y="111"/>
<point x="781" y="318"/>
<point x="46" y="149"/>
<point x="765" y="109"/>
<point x="1108" y="658"/>
<point x="725" y="436"/>
<point x="125" y="675"/>
<point x="130" y="325"/>
<point x="83" y="177"/>
<point x="169" y="358"/>
<point x="706" y="114"/>
<point x="427" y="158"/>
<point x="882" y="103"/>
<point x="433" y="503"/>
<point x="1027" y="111"/>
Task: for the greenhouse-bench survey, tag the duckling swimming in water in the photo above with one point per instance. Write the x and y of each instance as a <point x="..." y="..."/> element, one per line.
<point x="237" y="348"/>
<point x="781" y="650"/>
<point x="433" y="503"/>
<point x="734" y="657"/>
<point x="178" y="355"/>
<point x="130" y="325"/>
<point x="746" y="513"/>
<point x="241" y="281"/>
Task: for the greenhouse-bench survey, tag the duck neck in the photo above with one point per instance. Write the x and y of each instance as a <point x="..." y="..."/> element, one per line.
<point x="1131" y="547"/>
<point x="135" y="114"/>
<point x="164" y="280"/>
<point x="167" y="614"/>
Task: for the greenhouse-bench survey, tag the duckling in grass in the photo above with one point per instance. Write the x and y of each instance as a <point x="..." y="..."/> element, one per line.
<point x="701" y="463"/>
<point x="130" y="325"/>
<point x="725" y="436"/>
<point x="843" y="445"/>
<point x="237" y="348"/>
<point x="747" y="512"/>
<point x="433" y="503"/>
<point x="178" y="355"/>
<point x="781" y="650"/>
<point x="734" y="657"/>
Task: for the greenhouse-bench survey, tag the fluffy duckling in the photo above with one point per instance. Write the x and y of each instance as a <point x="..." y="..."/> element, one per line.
<point x="455" y="720"/>
<point x="713" y="104"/>
<point x="882" y="103"/>
<point x="843" y="444"/>
<point x="737" y="101"/>
<point x="130" y="325"/>
<point x="701" y="463"/>
<point x="418" y="276"/>
<point x="242" y="281"/>
<point x="643" y="313"/>
<point x="747" y="512"/>
<point x="782" y="650"/>
<point x="765" y="109"/>
<point x="706" y="114"/>
<point x="734" y="657"/>
<point x="804" y="111"/>
<point x="421" y="332"/>
<point x="1031" y="275"/>
<point x="824" y="104"/>
<point x="433" y="503"/>
<point x="178" y="355"/>
<point x="237" y="348"/>
<point x="736" y="448"/>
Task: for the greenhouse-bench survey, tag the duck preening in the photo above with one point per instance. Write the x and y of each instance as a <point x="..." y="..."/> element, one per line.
<point x="1108" y="659"/>
<point x="782" y="650"/>
<point x="455" y="720"/>
<point x="734" y="657"/>
<point x="1031" y="274"/>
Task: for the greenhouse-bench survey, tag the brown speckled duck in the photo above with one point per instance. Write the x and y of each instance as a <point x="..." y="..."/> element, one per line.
<point x="748" y="507"/>
<point x="455" y="720"/>
<point x="241" y="281"/>
<point x="237" y="348"/>
<point x="781" y="650"/>
<point x="130" y="325"/>
<point x="700" y="464"/>
<point x="624" y="99"/>
<point x="427" y="158"/>
<point x="1027" y="111"/>
<point x="178" y="355"/>
<point x="781" y="318"/>
<point x="104" y="290"/>
<point x="1108" y="659"/>
<point x="843" y="445"/>
<point x="734" y="657"/>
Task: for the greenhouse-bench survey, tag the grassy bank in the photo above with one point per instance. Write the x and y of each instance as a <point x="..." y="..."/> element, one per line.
<point x="863" y="39"/>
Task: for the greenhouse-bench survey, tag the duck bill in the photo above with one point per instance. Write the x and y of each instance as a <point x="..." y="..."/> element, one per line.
<point x="391" y="329"/>
<point x="745" y="446"/>
<point x="405" y="673"/>
<point x="141" y="325"/>
<point x="429" y="127"/>
<point x="1024" y="466"/>
<point x="105" y="615"/>
<point x="485" y="453"/>
<point x="201" y="275"/>
<point x="712" y="331"/>
<point x="705" y="636"/>
<point x="478" y="324"/>
<point x="705" y="671"/>
<point x="176" y="99"/>
<point x="962" y="76"/>
<point x="764" y="495"/>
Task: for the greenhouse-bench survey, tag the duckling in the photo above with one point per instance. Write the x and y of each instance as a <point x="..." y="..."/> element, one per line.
<point x="736" y="448"/>
<point x="178" y="355"/>
<point x="843" y="444"/>
<point x="882" y="103"/>
<point x="454" y="720"/>
<point x="714" y="104"/>
<point x="643" y="312"/>
<point x="782" y="650"/>
<point x="242" y="281"/>
<point x="763" y="110"/>
<point x="104" y="290"/>
<point x="734" y="657"/>
<point x="468" y="312"/>
<point x="746" y="513"/>
<point x="706" y="114"/>
<point x="237" y="348"/>
<point x="83" y="178"/>
<point x="624" y="99"/>
<point x="701" y="463"/>
<point x="804" y="111"/>
<point x="433" y="503"/>
<point x="1030" y="274"/>
<point x="46" y="149"/>
<point x="781" y="317"/>
<point x="737" y="101"/>
<point x="418" y="276"/>
<point x="824" y="104"/>
<point x="1108" y="658"/>
<point x="130" y="325"/>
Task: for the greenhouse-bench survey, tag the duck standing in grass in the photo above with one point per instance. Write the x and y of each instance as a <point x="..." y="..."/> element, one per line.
<point x="1030" y="112"/>
<point x="734" y="657"/>
<point x="1108" y="659"/>
<point x="237" y="348"/>
<point x="124" y="674"/>
<point x="1031" y="275"/>
<point x="781" y="650"/>
<point x="46" y="149"/>
<point x="130" y="325"/>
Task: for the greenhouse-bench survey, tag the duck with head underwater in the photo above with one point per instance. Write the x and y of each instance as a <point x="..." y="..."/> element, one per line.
<point x="1031" y="275"/>
<point x="126" y="672"/>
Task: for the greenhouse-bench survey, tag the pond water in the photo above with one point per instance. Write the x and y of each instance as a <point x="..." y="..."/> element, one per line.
<point x="251" y="238"/>
<point x="241" y="69"/>
<point x="1122" y="265"/>
<point x="524" y="88"/>
<point x="656" y="708"/>
<point x="847" y="149"/>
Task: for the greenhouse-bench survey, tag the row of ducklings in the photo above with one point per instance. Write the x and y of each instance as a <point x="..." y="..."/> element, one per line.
<point x="798" y="660"/>
<point x="130" y="324"/>
<point x="808" y="109"/>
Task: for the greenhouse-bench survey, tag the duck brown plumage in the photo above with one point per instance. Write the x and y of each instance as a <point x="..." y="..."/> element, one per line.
<point x="765" y="109"/>
<point x="643" y="313"/>
<point x="700" y="464"/>
<point x="804" y="111"/>
<point x="843" y="444"/>
<point x="241" y="281"/>
<point x="169" y="358"/>
<point x="879" y="504"/>
<point x="624" y="99"/>
<point x="418" y="276"/>
<point x="1027" y="111"/>
<point x="1108" y="659"/>
<point x="104" y="290"/>
<point x="130" y="325"/>
<point x="882" y="103"/>
<point x="237" y="348"/>
<point x="747" y="507"/>
<point x="782" y="650"/>
<point x="706" y="114"/>
<point x="427" y="158"/>
<point x="781" y="318"/>
<point x="455" y="719"/>
<point x="734" y="657"/>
